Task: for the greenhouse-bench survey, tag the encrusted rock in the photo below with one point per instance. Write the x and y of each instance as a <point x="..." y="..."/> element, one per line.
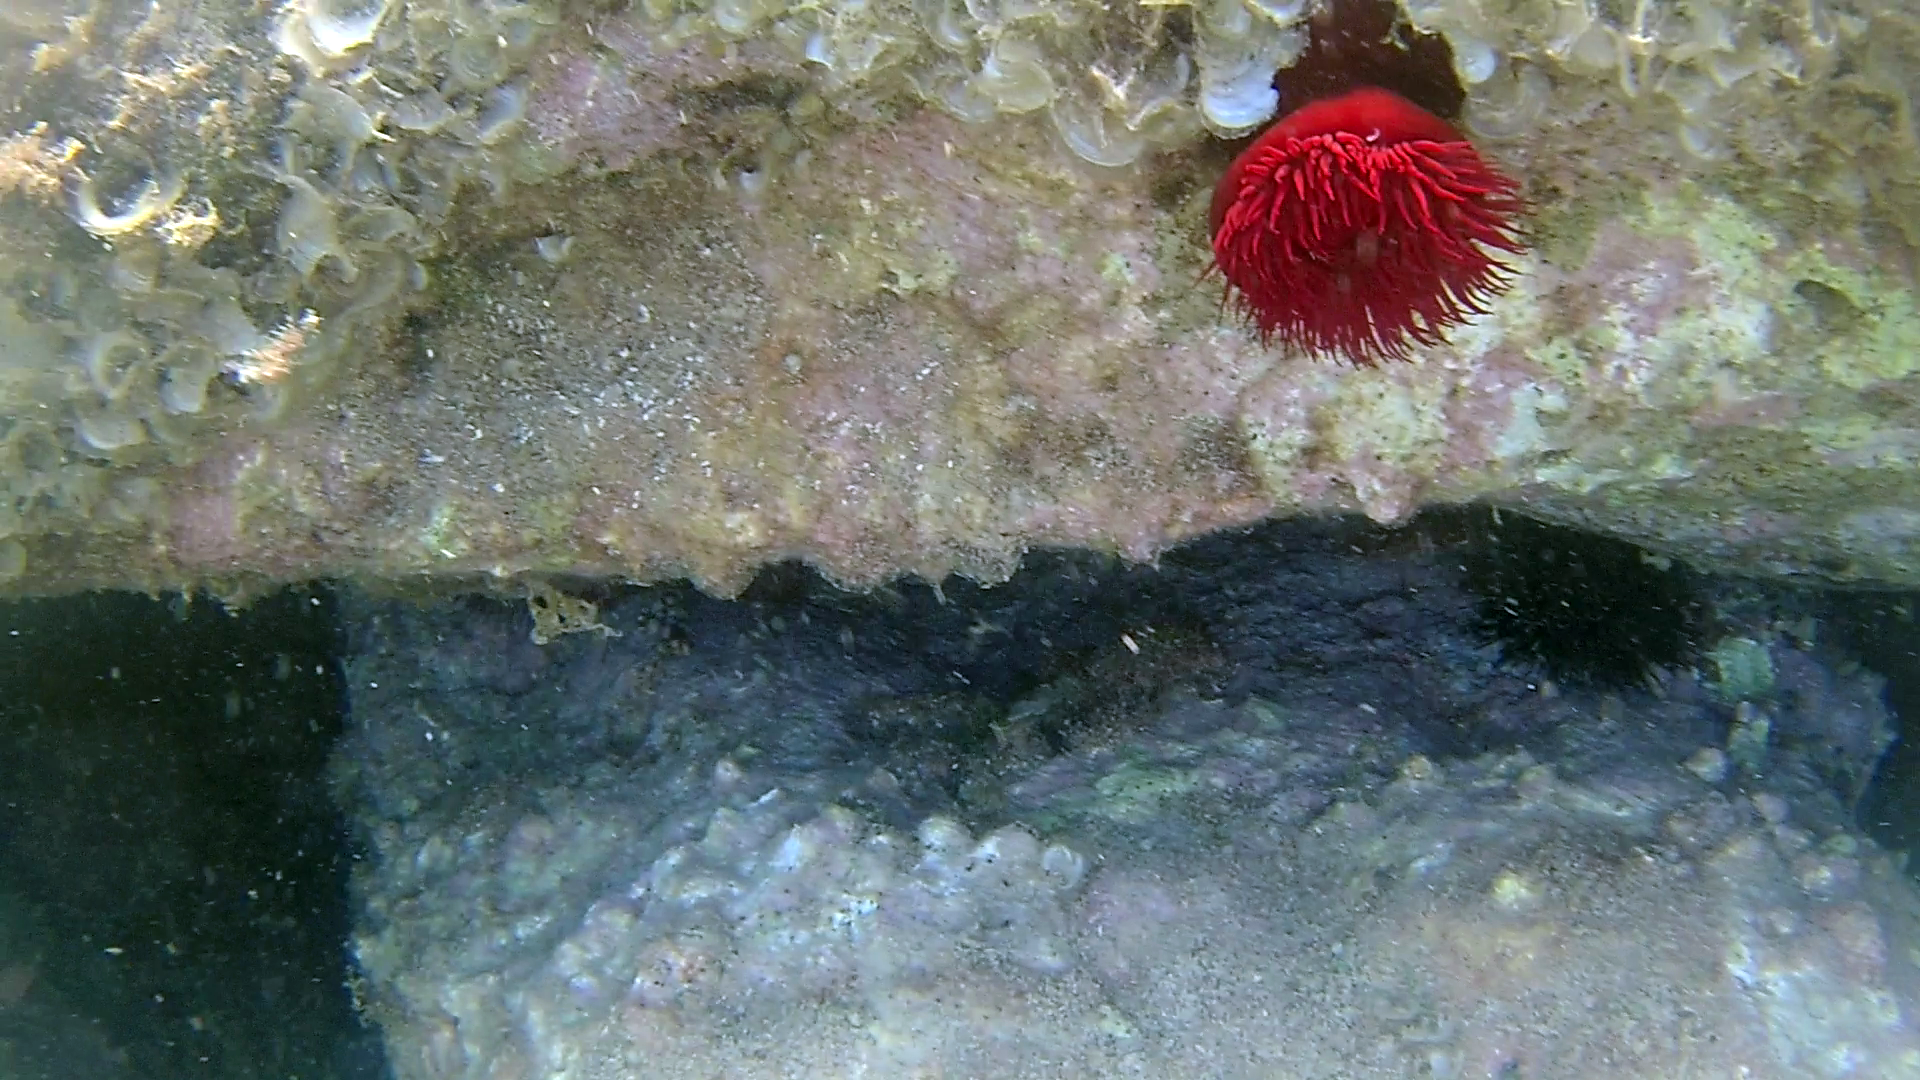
<point x="912" y="287"/>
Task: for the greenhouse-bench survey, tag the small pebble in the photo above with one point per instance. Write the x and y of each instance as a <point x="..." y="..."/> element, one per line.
<point x="1709" y="763"/>
<point x="1771" y="808"/>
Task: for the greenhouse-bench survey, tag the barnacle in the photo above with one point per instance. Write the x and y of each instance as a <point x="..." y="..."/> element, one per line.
<point x="142" y="339"/>
<point x="154" y="197"/>
<point x="307" y="232"/>
<point x="111" y="360"/>
<point x="323" y="31"/>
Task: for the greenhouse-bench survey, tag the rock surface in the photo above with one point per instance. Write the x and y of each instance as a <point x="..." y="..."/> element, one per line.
<point x="492" y="289"/>
<point x="810" y="835"/>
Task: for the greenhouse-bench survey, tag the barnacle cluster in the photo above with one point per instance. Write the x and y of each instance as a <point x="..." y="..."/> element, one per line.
<point x="1117" y="79"/>
<point x="1699" y="58"/>
<point x="211" y="242"/>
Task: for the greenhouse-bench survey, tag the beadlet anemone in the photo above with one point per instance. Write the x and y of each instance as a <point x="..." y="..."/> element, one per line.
<point x="1361" y="225"/>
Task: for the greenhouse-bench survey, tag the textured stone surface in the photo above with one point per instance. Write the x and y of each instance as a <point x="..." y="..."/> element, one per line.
<point x="504" y="289"/>
<point x="1023" y="832"/>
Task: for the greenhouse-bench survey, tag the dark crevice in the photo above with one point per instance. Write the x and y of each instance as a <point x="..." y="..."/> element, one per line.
<point x="1356" y="43"/>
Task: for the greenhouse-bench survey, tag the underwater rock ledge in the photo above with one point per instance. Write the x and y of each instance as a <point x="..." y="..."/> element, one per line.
<point x="489" y="290"/>
<point x="1271" y="811"/>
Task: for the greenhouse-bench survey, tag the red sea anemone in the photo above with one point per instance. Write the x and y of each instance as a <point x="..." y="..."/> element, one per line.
<point x="1362" y="225"/>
